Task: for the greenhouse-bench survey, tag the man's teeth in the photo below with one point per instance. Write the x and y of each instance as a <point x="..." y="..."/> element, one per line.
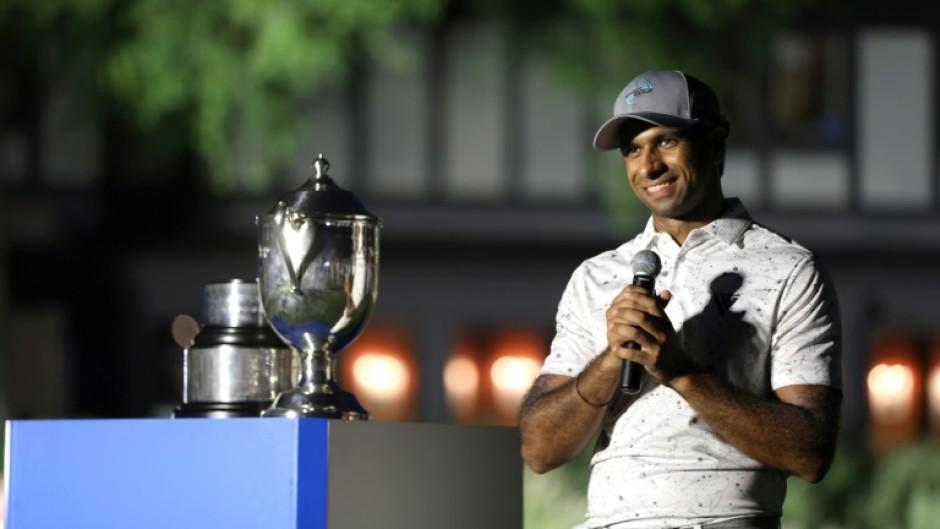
<point x="657" y="187"/>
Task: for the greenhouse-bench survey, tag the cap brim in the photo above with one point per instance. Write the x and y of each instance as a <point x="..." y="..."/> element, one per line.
<point x="608" y="136"/>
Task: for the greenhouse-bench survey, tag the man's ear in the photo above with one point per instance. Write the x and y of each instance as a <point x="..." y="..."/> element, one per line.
<point x="716" y="138"/>
<point x="717" y="147"/>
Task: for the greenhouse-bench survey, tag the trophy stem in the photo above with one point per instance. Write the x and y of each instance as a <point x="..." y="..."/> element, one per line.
<point x="317" y="372"/>
<point x="317" y="394"/>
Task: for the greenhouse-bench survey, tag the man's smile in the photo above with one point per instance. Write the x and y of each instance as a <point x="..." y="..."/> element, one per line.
<point x="660" y="187"/>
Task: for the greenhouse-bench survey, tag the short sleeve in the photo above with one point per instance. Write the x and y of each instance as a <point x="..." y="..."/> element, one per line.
<point x="807" y="340"/>
<point x="573" y="345"/>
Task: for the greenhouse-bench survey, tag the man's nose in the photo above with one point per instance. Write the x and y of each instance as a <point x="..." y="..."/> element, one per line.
<point x="651" y="163"/>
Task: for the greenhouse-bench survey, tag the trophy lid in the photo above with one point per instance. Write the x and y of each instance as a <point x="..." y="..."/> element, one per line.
<point x="321" y="196"/>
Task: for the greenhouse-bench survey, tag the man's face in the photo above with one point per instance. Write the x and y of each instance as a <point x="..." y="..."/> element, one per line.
<point x="672" y="171"/>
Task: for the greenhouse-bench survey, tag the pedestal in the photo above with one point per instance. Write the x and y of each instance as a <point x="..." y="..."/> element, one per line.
<point x="254" y="473"/>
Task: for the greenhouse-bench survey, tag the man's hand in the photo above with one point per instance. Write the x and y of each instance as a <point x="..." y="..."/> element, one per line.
<point x="638" y="316"/>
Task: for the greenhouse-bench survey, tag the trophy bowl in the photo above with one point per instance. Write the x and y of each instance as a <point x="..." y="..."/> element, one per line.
<point x="318" y="263"/>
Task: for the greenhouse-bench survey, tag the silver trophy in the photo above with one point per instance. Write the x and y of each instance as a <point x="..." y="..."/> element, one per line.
<point x="318" y="274"/>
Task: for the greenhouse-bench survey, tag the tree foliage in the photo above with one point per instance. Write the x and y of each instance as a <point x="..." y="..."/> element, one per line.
<point x="231" y="71"/>
<point x="228" y="74"/>
<point x="592" y="40"/>
<point x="896" y="490"/>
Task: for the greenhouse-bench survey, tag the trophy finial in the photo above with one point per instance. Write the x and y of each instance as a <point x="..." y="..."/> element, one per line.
<point x="321" y="165"/>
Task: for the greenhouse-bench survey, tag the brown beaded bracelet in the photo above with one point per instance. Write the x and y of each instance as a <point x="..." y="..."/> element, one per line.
<point x="577" y="380"/>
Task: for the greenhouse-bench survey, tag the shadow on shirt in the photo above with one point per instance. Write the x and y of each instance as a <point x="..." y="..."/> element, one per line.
<point x="709" y="337"/>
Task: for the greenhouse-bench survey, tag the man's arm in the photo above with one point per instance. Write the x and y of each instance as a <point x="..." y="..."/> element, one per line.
<point x="795" y="432"/>
<point x="560" y="415"/>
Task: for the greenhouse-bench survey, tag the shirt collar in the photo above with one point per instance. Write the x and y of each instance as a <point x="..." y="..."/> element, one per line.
<point x="728" y="227"/>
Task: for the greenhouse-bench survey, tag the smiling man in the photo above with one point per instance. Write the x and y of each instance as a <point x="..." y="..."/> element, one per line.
<point x="740" y="346"/>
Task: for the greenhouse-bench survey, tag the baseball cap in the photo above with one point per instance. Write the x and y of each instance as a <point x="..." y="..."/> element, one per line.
<point x="666" y="98"/>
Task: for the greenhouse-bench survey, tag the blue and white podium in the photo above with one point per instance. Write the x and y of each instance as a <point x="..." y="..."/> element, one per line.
<point x="261" y="473"/>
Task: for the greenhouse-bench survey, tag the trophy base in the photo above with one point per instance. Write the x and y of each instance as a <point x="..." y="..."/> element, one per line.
<point x="219" y="410"/>
<point x="336" y="404"/>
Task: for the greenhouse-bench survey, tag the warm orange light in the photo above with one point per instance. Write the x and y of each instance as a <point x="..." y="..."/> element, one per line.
<point x="511" y="377"/>
<point x="515" y="359"/>
<point x="381" y="376"/>
<point x="462" y="384"/>
<point x="891" y="392"/>
<point x="895" y="390"/>
<point x="379" y="369"/>
<point x="933" y="391"/>
<point x="512" y="373"/>
<point x="488" y="373"/>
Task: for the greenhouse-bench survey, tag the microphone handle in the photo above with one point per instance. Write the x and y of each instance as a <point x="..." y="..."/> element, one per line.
<point x="631" y="373"/>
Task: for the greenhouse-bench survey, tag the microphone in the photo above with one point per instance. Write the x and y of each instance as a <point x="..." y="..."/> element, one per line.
<point x="646" y="267"/>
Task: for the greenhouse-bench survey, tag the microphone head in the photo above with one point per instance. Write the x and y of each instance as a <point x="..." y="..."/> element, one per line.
<point x="646" y="263"/>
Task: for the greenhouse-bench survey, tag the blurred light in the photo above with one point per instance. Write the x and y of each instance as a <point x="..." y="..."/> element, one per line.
<point x="515" y="360"/>
<point x="514" y="374"/>
<point x="462" y="384"/>
<point x="489" y="372"/>
<point x="895" y="390"/>
<point x="891" y="392"/>
<point x="379" y="368"/>
<point x="381" y="376"/>
<point x="933" y="390"/>
<point x="511" y="377"/>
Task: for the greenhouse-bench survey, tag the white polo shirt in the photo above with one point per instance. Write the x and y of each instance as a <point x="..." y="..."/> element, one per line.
<point x="747" y="301"/>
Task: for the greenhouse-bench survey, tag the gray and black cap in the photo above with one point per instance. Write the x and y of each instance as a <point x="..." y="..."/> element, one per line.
<point x="666" y="98"/>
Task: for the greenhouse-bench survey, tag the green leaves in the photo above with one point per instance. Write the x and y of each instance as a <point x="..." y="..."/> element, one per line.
<point x="896" y="491"/>
<point x="231" y="71"/>
<point x="240" y="69"/>
<point x="227" y="76"/>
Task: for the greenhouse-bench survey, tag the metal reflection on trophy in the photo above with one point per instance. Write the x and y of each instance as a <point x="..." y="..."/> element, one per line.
<point x="233" y="362"/>
<point x="318" y="271"/>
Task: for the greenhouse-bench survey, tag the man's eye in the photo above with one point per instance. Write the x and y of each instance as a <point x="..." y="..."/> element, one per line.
<point x="629" y="150"/>
<point x="669" y="142"/>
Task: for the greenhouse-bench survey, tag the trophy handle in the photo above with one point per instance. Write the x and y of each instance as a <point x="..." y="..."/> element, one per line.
<point x="284" y="214"/>
<point x="280" y="217"/>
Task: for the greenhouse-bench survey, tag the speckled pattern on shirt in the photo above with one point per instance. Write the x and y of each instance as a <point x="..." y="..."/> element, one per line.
<point x="746" y="301"/>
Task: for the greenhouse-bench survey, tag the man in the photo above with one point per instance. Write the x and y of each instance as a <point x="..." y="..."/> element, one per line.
<point x="741" y="346"/>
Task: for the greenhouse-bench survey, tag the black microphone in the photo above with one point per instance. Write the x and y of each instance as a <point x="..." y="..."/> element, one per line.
<point x="646" y="266"/>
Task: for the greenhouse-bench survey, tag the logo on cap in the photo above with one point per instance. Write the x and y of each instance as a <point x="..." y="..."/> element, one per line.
<point x="643" y="87"/>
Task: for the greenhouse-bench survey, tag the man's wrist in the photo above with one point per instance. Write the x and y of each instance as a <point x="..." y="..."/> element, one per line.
<point x="577" y="388"/>
<point x="609" y="360"/>
<point x="602" y="369"/>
